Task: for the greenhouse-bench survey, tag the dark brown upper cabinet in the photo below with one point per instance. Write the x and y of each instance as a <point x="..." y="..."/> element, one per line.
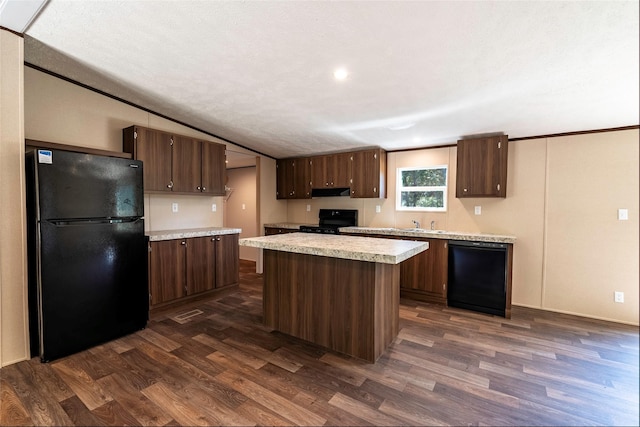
<point x="186" y="170"/>
<point x="363" y="171"/>
<point x="482" y="167"/>
<point x="292" y="178"/>
<point x="214" y="169"/>
<point x="330" y="171"/>
<point x="154" y="149"/>
<point x="368" y="174"/>
<point x="177" y="163"/>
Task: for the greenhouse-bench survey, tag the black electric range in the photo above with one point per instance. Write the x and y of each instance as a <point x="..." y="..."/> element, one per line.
<point x="329" y="220"/>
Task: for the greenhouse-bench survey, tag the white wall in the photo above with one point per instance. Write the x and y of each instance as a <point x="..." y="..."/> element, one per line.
<point x="14" y="326"/>
<point x="563" y="194"/>
<point x="241" y="210"/>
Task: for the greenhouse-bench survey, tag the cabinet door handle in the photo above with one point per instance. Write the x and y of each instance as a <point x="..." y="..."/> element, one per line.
<point x="170" y="184"/>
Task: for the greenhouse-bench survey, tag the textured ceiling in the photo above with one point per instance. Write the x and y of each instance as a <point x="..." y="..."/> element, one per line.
<point x="260" y="74"/>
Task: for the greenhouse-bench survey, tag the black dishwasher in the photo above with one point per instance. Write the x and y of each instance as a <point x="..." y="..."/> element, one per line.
<point x="478" y="276"/>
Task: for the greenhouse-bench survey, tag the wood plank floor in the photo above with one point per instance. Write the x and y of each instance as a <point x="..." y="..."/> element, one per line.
<point x="221" y="366"/>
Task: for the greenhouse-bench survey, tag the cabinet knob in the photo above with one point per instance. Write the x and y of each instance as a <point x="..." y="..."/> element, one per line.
<point x="464" y="189"/>
<point x="170" y="184"/>
<point x="198" y="188"/>
<point x="183" y="243"/>
<point x="204" y="188"/>
<point x="326" y="184"/>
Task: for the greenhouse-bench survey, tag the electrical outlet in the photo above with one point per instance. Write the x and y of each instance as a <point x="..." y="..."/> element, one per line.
<point x="477" y="210"/>
<point x="174" y="207"/>
<point x="618" y="296"/>
<point x="214" y="207"/>
<point x="377" y="208"/>
<point x="308" y="208"/>
<point x="623" y="214"/>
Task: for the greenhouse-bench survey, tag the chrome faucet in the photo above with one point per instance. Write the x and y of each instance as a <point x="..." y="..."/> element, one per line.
<point x="416" y="223"/>
<point x="433" y="225"/>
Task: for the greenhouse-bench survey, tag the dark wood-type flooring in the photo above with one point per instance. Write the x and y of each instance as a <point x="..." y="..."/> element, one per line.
<point x="447" y="367"/>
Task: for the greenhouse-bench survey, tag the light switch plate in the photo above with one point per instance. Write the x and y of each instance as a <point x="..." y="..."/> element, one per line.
<point x="478" y="210"/>
<point x="377" y="208"/>
<point x="174" y="207"/>
<point x="308" y="208"/>
<point x="623" y="214"/>
<point x="244" y="206"/>
<point x="618" y="296"/>
<point x="214" y="207"/>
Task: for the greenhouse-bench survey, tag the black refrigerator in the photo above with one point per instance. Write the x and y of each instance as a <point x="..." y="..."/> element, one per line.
<point x="87" y="253"/>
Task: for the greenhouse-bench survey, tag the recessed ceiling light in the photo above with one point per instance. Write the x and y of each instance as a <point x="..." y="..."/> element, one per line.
<point x="340" y="73"/>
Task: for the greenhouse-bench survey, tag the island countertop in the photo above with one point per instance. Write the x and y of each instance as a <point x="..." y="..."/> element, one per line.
<point x="368" y="249"/>
<point x="190" y="232"/>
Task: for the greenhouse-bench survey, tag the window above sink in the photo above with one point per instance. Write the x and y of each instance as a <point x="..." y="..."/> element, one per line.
<point x="422" y="189"/>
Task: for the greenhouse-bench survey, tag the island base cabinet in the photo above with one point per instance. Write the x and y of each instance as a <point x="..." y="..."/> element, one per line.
<point x="348" y="306"/>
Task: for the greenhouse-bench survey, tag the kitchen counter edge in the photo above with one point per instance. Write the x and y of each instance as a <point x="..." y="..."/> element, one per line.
<point x="399" y="232"/>
<point x="431" y="234"/>
<point x="155" y="236"/>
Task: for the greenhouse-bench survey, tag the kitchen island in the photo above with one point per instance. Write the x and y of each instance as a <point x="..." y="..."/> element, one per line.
<point x="341" y="292"/>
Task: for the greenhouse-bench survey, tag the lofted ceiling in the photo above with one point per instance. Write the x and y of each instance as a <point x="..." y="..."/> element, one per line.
<point x="421" y="73"/>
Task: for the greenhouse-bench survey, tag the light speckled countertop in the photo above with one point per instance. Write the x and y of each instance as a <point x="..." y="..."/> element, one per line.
<point x="431" y="234"/>
<point x="190" y="232"/>
<point x="368" y="249"/>
<point x="412" y="232"/>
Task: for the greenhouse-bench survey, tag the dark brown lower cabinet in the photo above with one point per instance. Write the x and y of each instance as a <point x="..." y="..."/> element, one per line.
<point x="200" y="261"/>
<point x="183" y="268"/>
<point x="424" y="277"/>
<point x="227" y="260"/>
<point x="166" y="271"/>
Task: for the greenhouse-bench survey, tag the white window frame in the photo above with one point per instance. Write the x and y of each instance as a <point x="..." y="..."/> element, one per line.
<point x="400" y="189"/>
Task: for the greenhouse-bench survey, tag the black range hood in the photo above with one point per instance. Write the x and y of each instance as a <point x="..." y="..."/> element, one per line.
<point x="330" y="192"/>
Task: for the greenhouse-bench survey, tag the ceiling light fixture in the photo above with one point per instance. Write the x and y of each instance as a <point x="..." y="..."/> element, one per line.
<point x="341" y="74"/>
